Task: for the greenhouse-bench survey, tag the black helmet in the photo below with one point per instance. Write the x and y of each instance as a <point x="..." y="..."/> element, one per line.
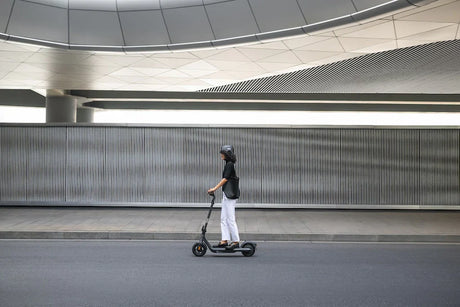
<point x="227" y="150"/>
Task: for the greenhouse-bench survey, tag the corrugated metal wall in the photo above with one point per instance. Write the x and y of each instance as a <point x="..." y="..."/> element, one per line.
<point x="344" y="167"/>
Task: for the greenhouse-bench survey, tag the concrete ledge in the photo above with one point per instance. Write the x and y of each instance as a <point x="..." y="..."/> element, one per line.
<point x="108" y="235"/>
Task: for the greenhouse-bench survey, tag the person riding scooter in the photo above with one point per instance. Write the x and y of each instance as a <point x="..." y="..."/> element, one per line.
<point x="231" y="193"/>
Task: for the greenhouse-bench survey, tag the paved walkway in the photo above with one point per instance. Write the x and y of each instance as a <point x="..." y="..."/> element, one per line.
<point x="254" y="224"/>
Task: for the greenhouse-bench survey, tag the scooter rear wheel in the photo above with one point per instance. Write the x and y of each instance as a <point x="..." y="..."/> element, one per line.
<point x="199" y="249"/>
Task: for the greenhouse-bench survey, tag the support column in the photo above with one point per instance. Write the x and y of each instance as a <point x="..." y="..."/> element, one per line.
<point x="61" y="109"/>
<point x="85" y="115"/>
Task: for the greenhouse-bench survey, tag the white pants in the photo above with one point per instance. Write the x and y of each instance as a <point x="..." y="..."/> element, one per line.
<point x="227" y="220"/>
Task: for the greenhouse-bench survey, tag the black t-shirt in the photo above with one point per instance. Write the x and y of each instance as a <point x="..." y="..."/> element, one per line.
<point x="229" y="170"/>
<point x="228" y="173"/>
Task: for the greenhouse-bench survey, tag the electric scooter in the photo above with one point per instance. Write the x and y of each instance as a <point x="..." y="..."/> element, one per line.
<point x="199" y="248"/>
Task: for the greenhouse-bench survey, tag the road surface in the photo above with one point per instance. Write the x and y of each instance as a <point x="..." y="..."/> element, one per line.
<point x="165" y="273"/>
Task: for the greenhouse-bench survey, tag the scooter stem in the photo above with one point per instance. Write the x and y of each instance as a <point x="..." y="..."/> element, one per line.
<point x="205" y="226"/>
<point x="213" y="197"/>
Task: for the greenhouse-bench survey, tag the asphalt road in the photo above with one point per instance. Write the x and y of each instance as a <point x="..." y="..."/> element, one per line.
<point x="162" y="273"/>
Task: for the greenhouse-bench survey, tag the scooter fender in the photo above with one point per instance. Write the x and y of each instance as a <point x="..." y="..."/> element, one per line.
<point x="248" y="242"/>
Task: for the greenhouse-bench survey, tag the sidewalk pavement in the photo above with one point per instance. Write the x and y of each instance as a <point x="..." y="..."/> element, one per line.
<point x="254" y="224"/>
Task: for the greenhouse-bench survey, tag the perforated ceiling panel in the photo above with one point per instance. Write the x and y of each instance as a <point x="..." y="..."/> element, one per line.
<point x="429" y="68"/>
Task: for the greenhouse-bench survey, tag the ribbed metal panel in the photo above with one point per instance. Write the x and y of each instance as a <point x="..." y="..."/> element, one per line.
<point x="253" y="161"/>
<point x="202" y="167"/>
<point x="400" y="167"/>
<point x="46" y="159"/>
<point x="360" y="169"/>
<point x="439" y="167"/>
<point x="274" y="160"/>
<point x="320" y="156"/>
<point x="164" y="165"/>
<point x="341" y="167"/>
<point x="13" y="170"/>
<point x="86" y="163"/>
<point x="124" y="171"/>
<point x="1" y="166"/>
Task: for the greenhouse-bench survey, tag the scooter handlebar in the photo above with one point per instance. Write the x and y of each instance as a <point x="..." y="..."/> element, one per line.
<point x="213" y="198"/>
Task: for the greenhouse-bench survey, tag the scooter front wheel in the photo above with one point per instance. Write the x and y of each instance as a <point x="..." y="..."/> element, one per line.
<point x="199" y="249"/>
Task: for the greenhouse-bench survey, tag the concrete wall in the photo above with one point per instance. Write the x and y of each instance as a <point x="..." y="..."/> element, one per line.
<point x="306" y="167"/>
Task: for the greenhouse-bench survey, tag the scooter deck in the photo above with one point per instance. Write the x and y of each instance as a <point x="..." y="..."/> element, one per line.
<point x="224" y="250"/>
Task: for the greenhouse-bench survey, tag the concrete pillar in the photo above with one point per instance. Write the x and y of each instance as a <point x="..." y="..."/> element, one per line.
<point x="61" y="109"/>
<point x="85" y="115"/>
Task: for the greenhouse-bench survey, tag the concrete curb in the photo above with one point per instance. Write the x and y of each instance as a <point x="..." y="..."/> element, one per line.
<point x="117" y="235"/>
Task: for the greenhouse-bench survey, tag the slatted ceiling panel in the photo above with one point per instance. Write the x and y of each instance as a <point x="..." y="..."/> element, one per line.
<point x="124" y="164"/>
<point x="85" y="171"/>
<point x="423" y="68"/>
<point x="13" y="170"/>
<point x="46" y="160"/>
<point x="439" y="167"/>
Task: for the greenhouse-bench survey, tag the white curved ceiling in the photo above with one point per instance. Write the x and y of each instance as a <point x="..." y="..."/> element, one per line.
<point x="119" y="25"/>
<point x="30" y="66"/>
